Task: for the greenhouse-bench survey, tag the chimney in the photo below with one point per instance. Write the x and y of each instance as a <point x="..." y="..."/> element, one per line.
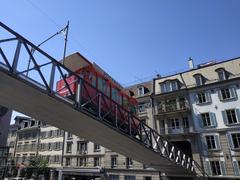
<point x="190" y="63"/>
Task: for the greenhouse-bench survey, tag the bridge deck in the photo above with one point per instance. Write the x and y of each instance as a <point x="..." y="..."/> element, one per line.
<point x="23" y="97"/>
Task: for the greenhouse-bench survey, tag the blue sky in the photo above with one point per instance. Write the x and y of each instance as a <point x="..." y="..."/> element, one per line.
<point x="132" y="40"/>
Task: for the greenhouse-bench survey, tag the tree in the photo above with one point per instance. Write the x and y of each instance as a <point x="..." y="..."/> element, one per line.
<point x="37" y="165"/>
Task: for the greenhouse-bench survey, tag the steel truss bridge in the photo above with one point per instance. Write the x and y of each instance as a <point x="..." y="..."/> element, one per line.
<point x="28" y="85"/>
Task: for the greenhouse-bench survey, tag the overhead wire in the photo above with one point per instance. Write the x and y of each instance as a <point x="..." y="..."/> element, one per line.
<point x="79" y="44"/>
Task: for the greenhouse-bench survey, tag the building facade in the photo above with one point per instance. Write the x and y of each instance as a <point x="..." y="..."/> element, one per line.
<point x="198" y="110"/>
<point x="68" y="156"/>
<point x="5" y="117"/>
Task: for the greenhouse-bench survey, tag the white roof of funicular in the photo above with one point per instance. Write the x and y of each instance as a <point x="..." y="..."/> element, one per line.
<point x="75" y="61"/>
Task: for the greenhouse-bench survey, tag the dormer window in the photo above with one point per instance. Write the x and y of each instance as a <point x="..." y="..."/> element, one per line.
<point x="169" y="86"/>
<point x="199" y="79"/>
<point x="140" y="91"/>
<point x="25" y="125"/>
<point x="222" y="74"/>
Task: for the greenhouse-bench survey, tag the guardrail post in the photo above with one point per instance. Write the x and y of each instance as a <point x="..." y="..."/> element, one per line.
<point x="16" y="56"/>
<point x="78" y="93"/>
<point x="140" y="131"/>
<point x="99" y="104"/>
<point x="116" y="116"/>
<point x="52" y="76"/>
<point x="129" y="125"/>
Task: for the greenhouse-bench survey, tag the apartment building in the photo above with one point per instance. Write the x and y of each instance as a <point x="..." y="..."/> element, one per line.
<point x="198" y="110"/>
<point x="142" y="92"/>
<point x="27" y="139"/>
<point x="70" y="156"/>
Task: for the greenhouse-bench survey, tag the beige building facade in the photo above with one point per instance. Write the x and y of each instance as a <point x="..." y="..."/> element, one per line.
<point x="198" y="110"/>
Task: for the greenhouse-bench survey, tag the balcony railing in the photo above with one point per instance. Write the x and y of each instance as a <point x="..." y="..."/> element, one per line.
<point x="171" y="130"/>
<point x="173" y="107"/>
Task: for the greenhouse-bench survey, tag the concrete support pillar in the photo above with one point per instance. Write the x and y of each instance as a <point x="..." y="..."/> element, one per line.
<point x="60" y="175"/>
<point x="51" y="174"/>
<point x="166" y="126"/>
<point x="181" y="125"/>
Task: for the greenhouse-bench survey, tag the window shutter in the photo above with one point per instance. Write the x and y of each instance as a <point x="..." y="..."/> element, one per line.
<point x="238" y="114"/>
<point x="204" y="145"/>
<point x="233" y="92"/>
<point x="220" y="95"/>
<point x="208" y="97"/>
<point x="196" y="99"/>
<point x="224" y="116"/>
<point x="208" y="168"/>
<point x="217" y="141"/>
<point x="199" y="117"/>
<point x="229" y="138"/>
<point x="223" y="168"/>
<point x="61" y="146"/>
<point x="236" y="168"/>
<point x="213" y="119"/>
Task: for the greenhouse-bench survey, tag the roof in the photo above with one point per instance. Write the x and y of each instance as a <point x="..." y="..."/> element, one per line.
<point x="198" y="67"/>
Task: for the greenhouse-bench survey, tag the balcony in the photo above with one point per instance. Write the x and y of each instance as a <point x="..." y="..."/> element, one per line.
<point x="170" y="130"/>
<point x="82" y="152"/>
<point x="172" y="106"/>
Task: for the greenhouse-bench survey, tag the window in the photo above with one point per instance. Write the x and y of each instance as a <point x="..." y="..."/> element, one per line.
<point x="113" y="177"/>
<point x="68" y="161"/>
<point x="147" y="178"/>
<point x="208" y="120"/>
<point x="234" y="140"/>
<point x="216" y="169"/>
<point x="231" y="116"/>
<point x="58" y="145"/>
<point x="169" y="86"/>
<point x="43" y="134"/>
<point x="25" y="125"/>
<point x="82" y="147"/>
<point x="199" y="79"/>
<point x="227" y="93"/>
<point x="102" y="85"/>
<point x="56" y="158"/>
<point x="96" y="161"/>
<point x="129" y="177"/>
<point x="82" y="162"/>
<point x="185" y="122"/>
<point x="69" y="147"/>
<point x="49" y="146"/>
<point x="222" y="74"/>
<point x="174" y="123"/>
<point x="212" y="142"/>
<point x="129" y="162"/>
<point x="203" y="97"/>
<point x="115" y="94"/>
<point x="141" y="91"/>
<point x="141" y="107"/>
<point x="96" y="147"/>
<point x="32" y="123"/>
<point x="50" y="134"/>
<point x="113" y="161"/>
<point x="236" y="168"/>
<point x="69" y="135"/>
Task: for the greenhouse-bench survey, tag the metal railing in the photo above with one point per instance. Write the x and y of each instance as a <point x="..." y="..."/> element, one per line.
<point x="45" y="71"/>
<point x="177" y="106"/>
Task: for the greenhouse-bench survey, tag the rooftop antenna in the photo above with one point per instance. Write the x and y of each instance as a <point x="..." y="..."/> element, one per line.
<point x="65" y="44"/>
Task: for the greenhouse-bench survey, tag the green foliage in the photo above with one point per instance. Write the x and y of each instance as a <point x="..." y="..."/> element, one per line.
<point x="37" y="165"/>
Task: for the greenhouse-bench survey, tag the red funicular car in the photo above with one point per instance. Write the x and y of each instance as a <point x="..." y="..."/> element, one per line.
<point x="96" y="79"/>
